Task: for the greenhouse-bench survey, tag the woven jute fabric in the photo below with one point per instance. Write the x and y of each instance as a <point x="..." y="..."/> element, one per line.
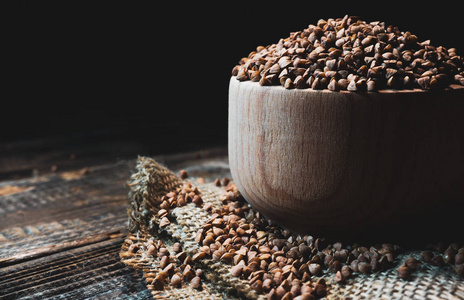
<point x="151" y="180"/>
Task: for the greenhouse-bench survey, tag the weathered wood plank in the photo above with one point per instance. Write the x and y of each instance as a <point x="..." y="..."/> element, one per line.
<point x="22" y="271"/>
<point x="55" y="248"/>
<point x="61" y="233"/>
<point x="83" y="272"/>
<point x="23" y="159"/>
<point x="58" y="211"/>
<point x="55" y="197"/>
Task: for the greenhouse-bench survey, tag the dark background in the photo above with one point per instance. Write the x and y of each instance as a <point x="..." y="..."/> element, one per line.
<point x="157" y="72"/>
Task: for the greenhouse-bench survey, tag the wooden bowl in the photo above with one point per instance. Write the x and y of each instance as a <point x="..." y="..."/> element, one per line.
<point x="334" y="163"/>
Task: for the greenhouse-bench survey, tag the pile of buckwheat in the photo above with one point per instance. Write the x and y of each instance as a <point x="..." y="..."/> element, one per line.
<point x="275" y="262"/>
<point x="350" y="54"/>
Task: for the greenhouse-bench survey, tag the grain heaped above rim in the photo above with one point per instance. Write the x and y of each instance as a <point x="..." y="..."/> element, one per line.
<point x="350" y="54"/>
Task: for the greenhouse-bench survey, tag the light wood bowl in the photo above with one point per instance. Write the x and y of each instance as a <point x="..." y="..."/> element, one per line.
<point x="334" y="163"/>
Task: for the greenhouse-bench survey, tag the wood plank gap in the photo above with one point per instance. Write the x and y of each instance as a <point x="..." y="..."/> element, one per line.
<point x="108" y="261"/>
<point x="57" y="264"/>
<point x="66" y="284"/>
<point x="52" y="249"/>
<point x="38" y="242"/>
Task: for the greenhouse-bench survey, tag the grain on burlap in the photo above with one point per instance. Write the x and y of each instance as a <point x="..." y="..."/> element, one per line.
<point x="150" y="181"/>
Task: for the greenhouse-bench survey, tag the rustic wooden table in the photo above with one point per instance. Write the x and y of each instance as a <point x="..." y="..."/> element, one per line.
<point x="63" y="219"/>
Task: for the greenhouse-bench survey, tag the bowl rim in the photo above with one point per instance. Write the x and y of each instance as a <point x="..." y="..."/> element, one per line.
<point x="451" y="87"/>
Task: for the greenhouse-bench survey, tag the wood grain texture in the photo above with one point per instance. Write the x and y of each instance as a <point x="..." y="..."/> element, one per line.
<point x="333" y="162"/>
<point x="61" y="232"/>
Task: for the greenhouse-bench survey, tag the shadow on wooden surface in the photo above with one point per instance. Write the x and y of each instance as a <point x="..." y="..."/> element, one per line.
<point x="25" y="158"/>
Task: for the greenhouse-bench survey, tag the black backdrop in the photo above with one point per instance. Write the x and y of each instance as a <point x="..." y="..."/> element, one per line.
<point x="159" y="71"/>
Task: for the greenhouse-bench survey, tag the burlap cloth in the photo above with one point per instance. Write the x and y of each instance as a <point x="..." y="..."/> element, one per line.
<point x="151" y="180"/>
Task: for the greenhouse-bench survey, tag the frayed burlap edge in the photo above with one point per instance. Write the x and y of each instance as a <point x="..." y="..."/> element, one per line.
<point x="148" y="183"/>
